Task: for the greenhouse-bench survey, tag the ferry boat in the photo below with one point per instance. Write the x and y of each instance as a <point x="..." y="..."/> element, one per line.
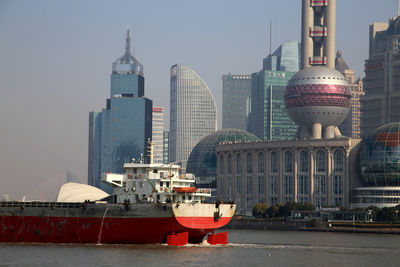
<point x="151" y="203"/>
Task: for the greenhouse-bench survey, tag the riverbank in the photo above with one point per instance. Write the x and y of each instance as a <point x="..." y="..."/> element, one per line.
<point x="348" y="227"/>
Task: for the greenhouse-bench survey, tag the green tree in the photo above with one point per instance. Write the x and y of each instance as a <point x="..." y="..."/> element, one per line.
<point x="260" y="210"/>
<point x="273" y="211"/>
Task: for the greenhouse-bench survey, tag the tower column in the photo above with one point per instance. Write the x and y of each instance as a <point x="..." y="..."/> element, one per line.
<point x="329" y="40"/>
<point x="307" y="21"/>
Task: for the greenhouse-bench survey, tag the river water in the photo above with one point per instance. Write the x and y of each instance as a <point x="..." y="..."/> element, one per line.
<point x="245" y="248"/>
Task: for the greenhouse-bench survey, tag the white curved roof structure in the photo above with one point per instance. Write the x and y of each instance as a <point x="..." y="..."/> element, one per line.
<point x="74" y="192"/>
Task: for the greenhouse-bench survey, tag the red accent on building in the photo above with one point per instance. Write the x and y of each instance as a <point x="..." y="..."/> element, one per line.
<point x="318" y="100"/>
<point x="156" y="109"/>
<point x="296" y="90"/>
<point x="374" y="66"/>
<point x="391" y="139"/>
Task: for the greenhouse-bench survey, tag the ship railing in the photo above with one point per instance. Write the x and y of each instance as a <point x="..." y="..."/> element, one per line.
<point x="40" y="204"/>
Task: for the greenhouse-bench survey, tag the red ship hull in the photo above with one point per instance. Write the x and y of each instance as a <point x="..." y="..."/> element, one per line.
<point x="81" y="226"/>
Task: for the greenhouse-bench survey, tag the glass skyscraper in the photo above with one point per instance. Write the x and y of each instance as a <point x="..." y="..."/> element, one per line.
<point x="236" y="91"/>
<point x="120" y="132"/>
<point x="268" y="118"/>
<point x="193" y="112"/>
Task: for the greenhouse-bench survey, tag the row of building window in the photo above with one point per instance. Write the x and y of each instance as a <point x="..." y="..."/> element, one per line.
<point x="303" y="185"/>
<point x="338" y="162"/>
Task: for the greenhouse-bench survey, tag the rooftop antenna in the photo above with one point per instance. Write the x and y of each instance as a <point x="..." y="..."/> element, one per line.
<point x="128" y="44"/>
<point x="270" y="36"/>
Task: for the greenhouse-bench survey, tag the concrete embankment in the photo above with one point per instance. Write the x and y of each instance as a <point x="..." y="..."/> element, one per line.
<point x="262" y="224"/>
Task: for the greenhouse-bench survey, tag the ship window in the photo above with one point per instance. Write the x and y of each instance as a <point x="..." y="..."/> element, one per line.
<point x="183" y="197"/>
<point x="141" y="184"/>
<point x="134" y="170"/>
<point x="155" y="171"/>
<point x="190" y="197"/>
<point x="167" y="184"/>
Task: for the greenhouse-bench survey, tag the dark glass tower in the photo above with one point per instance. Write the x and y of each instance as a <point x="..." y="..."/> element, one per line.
<point x="268" y="119"/>
<point x="125" y="125"/>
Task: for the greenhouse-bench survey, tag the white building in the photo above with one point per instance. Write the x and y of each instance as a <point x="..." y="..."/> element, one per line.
<point x="193" y="112"/>
<point x="157" y="134"/>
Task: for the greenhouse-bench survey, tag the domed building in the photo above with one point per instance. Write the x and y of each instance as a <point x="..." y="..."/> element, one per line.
<point x="379" y="168"/>
<point x="202" y="161"/>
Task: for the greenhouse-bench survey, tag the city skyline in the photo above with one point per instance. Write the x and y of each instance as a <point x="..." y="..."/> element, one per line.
<point x="56" y="65"/>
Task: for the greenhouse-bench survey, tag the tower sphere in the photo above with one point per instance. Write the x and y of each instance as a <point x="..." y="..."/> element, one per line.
<point x="317" y="95"/>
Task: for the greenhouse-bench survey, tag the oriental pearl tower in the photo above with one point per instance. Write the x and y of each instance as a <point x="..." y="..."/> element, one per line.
<point x="317" y="98"/>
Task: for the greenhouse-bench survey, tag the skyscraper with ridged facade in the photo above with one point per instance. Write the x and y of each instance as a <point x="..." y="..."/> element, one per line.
<point x="193" y="112"/>
<point x="120" y="131"/>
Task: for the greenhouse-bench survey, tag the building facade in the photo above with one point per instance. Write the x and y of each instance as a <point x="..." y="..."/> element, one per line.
<point x="268" y="119"/>
<point x="126" y="122"/>
<point x="193" y="112"/>
<point x="351" y="126"/>
<point x="158" y="135"/>
<point x="165" y="147"/>
<point x="319" y="172"/>
<point x="381" y="103"/>
<point x="236" y="97"/>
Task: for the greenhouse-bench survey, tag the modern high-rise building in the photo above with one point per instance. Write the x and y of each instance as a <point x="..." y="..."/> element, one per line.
<point x="286" y="58"/>
<point x="318" y="32"/>
<point x="120" y="132"/>
<point x="268" y="118"/>
<point x="351" y="126"/>
<point x="193" y="112"/>
<point x="157" y="134"/>
<point x="94" y="145"/>
<point x="165" y="147"/>
<point x="381" y="103"/>
<point x="236" y="92"/>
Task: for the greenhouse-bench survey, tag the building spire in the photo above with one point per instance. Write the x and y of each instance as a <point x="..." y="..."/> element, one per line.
<point x="128" y="44"/>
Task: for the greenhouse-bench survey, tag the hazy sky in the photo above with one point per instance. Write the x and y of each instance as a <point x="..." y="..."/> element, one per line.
<point x="55" y="65"/>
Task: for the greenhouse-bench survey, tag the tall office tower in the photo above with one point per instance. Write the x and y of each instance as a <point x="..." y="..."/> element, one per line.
<point x="94" y="145"/>
<point x="268" y="118"/>
<point x="318" y="33"/>
<point x="157" y="133"/>
<point x="165" y="147"/>
<point x="236" y="92"/>
<point x="381" y="103"/>
<point x="120" y="132"/>
<point x="193" y="112"/>
<point x="351" y="126"/>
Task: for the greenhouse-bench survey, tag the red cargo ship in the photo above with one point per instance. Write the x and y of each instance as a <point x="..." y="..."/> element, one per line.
<point x="152" y="203"/>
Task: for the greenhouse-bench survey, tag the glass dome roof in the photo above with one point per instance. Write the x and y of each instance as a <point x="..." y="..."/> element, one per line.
<point x="380" y="157"/>
<point x="202" y="161"/>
